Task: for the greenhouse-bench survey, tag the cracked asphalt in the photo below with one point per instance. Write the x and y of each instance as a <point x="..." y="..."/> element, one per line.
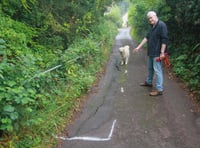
<point x="142" y="121"/>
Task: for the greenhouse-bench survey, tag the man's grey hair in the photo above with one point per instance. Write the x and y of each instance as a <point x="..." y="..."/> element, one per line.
<point x="151" y="13"/>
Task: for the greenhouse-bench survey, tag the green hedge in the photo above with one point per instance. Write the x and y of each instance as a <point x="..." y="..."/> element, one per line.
<point x="39" y="88"/>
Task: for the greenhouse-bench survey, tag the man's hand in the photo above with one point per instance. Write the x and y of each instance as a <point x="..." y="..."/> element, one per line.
<point x="162" y="55"/>
<point x="140" y="45"/>
<point x="135" y="50"/>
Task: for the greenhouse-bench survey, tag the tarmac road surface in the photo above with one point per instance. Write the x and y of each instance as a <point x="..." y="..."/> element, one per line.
<point x="121" y="114"/>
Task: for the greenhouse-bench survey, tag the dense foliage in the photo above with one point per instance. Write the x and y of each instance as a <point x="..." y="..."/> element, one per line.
<point x="50" y="52"/>
<point x="57" y="22"/>
<point x="183" y="20"/>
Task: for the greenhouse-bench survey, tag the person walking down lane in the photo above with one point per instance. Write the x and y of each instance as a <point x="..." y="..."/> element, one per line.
<point x="157" y="40"/>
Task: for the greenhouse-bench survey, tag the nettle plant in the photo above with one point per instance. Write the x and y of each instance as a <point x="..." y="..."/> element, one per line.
<point x="14" y="97"/>
<point x="20" y="95"/>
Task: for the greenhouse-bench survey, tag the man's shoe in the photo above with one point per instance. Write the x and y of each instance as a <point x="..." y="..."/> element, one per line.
<point x="155" y="93"/>
<point x="146" y="84"/>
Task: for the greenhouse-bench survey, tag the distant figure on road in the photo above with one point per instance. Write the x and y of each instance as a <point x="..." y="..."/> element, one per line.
<point x="157" y="40"/>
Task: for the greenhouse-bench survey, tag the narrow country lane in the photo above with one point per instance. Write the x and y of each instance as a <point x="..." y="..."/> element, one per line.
<point x="121" y="114"/>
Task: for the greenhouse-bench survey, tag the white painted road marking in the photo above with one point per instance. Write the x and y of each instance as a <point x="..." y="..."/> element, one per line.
<point x="91" y="138"/>
<point x="122" y="89"/>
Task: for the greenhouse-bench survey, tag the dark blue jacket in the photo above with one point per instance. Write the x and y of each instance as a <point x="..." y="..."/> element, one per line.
<point x="156" y="37"/>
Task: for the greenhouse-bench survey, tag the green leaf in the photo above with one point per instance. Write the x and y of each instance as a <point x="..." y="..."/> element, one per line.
<point x="25" y="100"/>
<point x="5" y="120"/>
<point x="14" y="115"/>
<point x="195" y="47"/>
<point x="1" y="76"/>
<point x="2" y="47"/>
<point x="8" y="108"/>
<point x="2" y="41"/>
<point x="11" y="83"/>
<point x="182" y="57"/>
<point x="197" y="59"/>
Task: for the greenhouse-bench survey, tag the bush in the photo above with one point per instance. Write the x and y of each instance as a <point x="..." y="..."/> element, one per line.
<point x="41" y="87"/>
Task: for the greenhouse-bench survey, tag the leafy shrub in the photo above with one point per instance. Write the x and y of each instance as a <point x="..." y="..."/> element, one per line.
<point x="40" y="86"/>
<point x="184" y="64"/>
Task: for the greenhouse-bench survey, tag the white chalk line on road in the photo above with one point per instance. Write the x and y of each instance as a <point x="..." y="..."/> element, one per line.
<point x="91" y="138"/>
<point x="122" y="90"/>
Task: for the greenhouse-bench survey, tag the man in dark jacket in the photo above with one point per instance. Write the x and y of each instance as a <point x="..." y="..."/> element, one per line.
<point x="156" y="40"/>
